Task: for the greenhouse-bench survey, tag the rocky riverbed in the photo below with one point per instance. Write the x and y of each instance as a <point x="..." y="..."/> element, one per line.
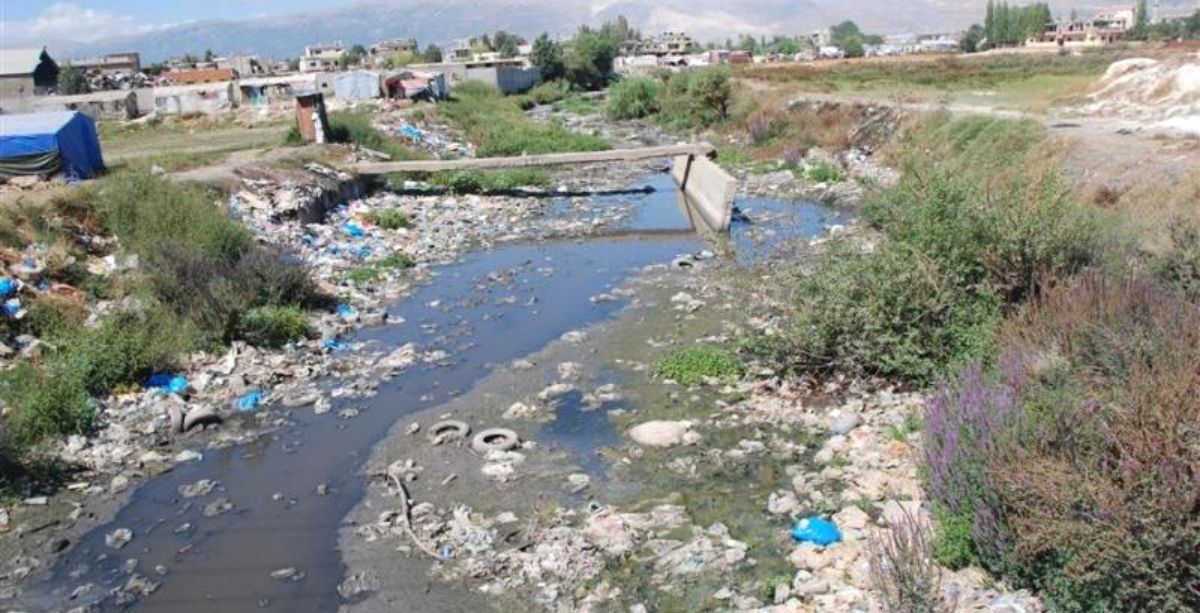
<point x="540" y="315"/>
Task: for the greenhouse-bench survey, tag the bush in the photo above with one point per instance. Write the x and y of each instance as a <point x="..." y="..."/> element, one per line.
<point x="125" y="348"/>
<point x="499" y="129"/>
<point x="44" y="403"/>
<point x="272" y="326"/>
<point x="968" y="233"/>
<point x="544" y="93"/>
<point x="1179" y="266"/>
<point x="824" y="173"/>
<point x="697" y="99"/>
<point x="633" y="98"/>
<point x="693" y="365"/>
<point x="390" y="219"/>
<point x="1075" y="458"/>
<point x="479" y="181"/>
<point x="150" y="214"/>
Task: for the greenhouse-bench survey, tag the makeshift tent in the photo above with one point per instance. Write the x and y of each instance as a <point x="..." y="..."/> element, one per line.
<point x="356" y="85"/>
<point x="45" y="143"/>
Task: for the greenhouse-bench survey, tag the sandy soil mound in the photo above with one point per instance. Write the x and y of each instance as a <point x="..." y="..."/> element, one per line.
<point x="1166" y="92"/>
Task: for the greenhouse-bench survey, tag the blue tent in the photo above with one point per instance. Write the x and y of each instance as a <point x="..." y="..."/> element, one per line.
<point x="44" y="143"/>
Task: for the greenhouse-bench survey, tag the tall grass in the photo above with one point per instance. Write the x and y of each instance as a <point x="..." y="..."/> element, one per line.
<point x="499" y="129"/>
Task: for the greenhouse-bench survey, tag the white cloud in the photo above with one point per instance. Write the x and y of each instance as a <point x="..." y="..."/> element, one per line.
<point x="72" y="23"/>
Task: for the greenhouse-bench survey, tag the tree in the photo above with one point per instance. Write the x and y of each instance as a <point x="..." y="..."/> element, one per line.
<point x="506" y="44"/>
<point x="1141" y="22"/>
<point x="989" y="24"/>
<point x="589" y="60"/>
<point x="294" y="64"/>
<point x="71" y="81"/>
<point x="432" y="54"/>
<point x="853" y="47"/>
<point x="972" y="38"/>
<point x="548" y="56"/>
<point x="208" y="55"/>
<point x="401" y="59"/>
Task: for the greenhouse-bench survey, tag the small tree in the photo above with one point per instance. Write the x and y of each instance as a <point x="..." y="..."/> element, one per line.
<point x="853" y="47"/>
<point x="590" y="60"/>
<point x="71" y="81"/>
<point x="548" y="56"/>
<point x="432" y="54"/>
<point x="972" y="38"/>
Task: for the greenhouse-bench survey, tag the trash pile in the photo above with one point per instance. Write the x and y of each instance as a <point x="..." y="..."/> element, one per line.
<point x="437" y="139"/>
<point x="1165" y="92"/>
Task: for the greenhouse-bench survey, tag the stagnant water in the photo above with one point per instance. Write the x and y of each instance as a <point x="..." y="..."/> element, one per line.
<point x="224" y="562"/>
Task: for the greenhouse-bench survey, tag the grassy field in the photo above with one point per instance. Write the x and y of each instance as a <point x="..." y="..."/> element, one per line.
<point x="1017" y="81"/>
<point x="174" y="140"/>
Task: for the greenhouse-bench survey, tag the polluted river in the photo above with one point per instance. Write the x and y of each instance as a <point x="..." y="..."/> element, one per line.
<point x="277" y="523"/>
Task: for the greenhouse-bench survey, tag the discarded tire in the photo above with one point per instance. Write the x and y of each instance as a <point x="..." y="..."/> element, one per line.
<point x="445" y="431"/>
<point x="200" y="416"/>
<point x="495" y="439"/>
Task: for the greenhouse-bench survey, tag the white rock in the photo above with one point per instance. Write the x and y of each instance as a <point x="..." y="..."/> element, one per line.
<point x="118" y="538"/>
<point x="661" y="433"/>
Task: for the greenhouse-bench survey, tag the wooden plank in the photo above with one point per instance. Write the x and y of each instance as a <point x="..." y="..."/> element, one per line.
<point x="551" y="159"/>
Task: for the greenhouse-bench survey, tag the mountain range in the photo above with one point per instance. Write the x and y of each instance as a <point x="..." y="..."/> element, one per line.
<point x="444" y="21"/>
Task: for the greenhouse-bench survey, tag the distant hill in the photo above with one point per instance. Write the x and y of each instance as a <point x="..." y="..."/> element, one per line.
<point x="443" y="21"/>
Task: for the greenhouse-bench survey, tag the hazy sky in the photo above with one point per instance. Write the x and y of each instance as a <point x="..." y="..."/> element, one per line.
<point x="26" y="21"/>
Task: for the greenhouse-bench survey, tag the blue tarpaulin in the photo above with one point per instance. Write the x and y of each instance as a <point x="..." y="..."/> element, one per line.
<point x="41" y="143"/>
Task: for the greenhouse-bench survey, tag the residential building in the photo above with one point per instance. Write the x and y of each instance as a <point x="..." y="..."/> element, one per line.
<point x="666" y="43"/>
<point x="26" y="72"/>
<point x="111" y="64"/>
<point x="381" y="52"/>
<point x="1107" y="26"/>
<point x="322" y="58"/>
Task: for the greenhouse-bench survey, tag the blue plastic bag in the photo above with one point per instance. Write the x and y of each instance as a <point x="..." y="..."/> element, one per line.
<point x="172" y="384"/>
<point x="817" y="531"/>
<point x="12" y="308"/>
<point x="347" y="312"/>
<point x="7" y="287"/>
<point x="334" y="344"/>
<point x="249" y="401"/>
<point x="353" y="229"/>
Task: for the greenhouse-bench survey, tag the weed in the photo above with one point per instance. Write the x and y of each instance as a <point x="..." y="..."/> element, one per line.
<point x="390" y="219"/>
<point x="272" y="326"/>
<point x="498" y="127"/>
<point x="824" y="173"/>
<point x="44" y="403"/>
<point x="693" y="365"/>
<point x="903" y="571"/>
<point x="633" y="98"/>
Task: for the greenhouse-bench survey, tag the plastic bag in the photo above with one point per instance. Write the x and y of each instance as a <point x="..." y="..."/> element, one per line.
<point x="817" y="531"/>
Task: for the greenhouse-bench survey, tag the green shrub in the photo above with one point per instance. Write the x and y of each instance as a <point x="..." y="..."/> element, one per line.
<point x="693" y="365"/>
<point x="633" y="98"/>
<point x="824" y="173"/>
<point x="125" y="348"/>
<point x="390" y="219"/>
<point x="273" y="326"/>
<point x="499" y="129"/>
<point x="150" y="214"/>
<point x="1179" y="265"/>
<point x="396" y="261"/>
<point x="895" y="312"/>
<point x="44" y="403"/>
<point x="981" y="225"/>
<point x="697" y="99"/>
<point x="545" y="93"/>
<point x="479" y="181"/>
